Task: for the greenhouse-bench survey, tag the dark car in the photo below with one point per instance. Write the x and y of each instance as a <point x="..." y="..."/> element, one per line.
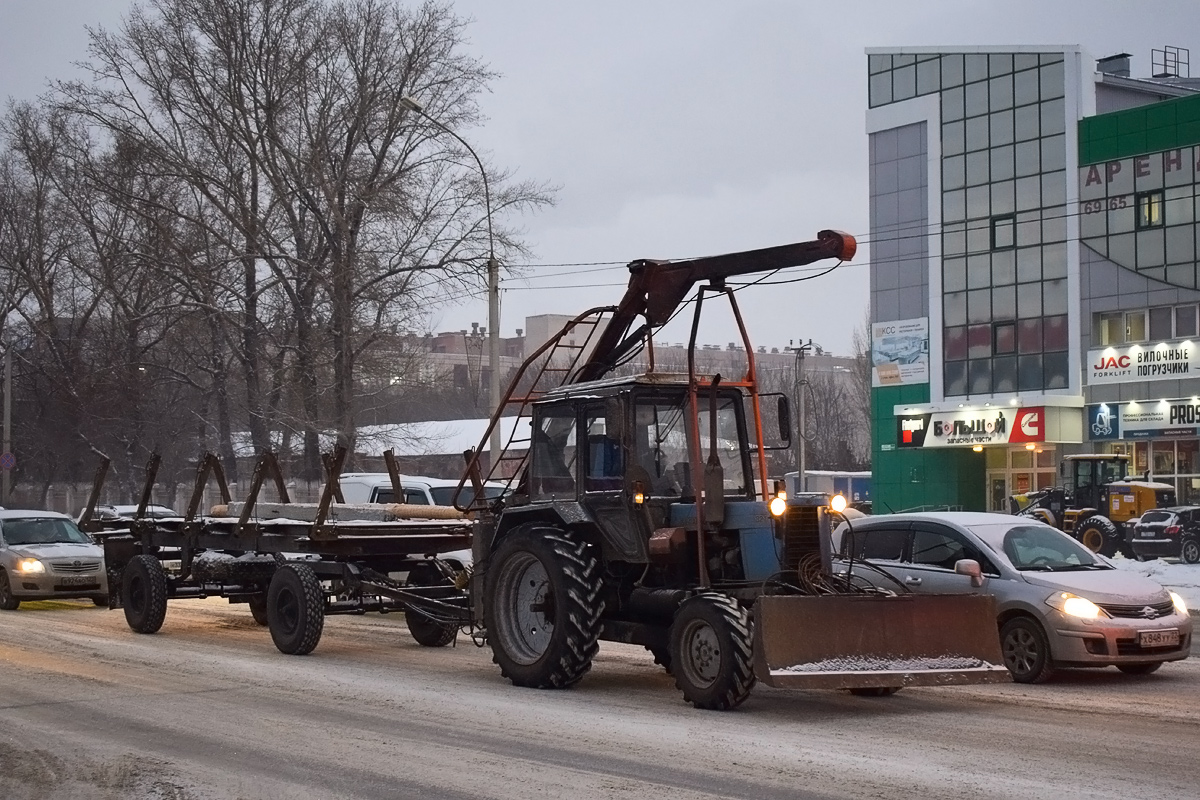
<point x="1171" y="532"/>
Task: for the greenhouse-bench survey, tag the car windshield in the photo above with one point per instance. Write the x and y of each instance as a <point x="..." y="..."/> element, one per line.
<point x="1045" y="549"/>
<point x="42" y="530"/>
<point x="444" y="495"/>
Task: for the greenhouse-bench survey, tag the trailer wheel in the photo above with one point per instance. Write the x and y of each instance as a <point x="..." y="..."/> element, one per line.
<point x="428" y="632"/>
<point x="662" y="657"/>
<point x="543" y="607"/>
<point x="712" y="652"/>
<point x="258" y="608"/>
<point x="1099" y="534"/>
<point x="295" y="609"/>
<point x="144" y="593"/>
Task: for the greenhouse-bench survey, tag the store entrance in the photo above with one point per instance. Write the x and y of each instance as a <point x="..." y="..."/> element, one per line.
<point x="1016" y="470"/>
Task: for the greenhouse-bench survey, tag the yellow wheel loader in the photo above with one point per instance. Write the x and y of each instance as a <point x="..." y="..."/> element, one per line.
<point x="1097" y="501"/>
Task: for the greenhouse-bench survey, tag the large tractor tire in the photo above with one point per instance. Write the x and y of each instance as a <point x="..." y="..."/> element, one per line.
<point x="295" y="609"/>
<point x="144" y="593"/>
<point x="543" y="607"/>
<point x="1098" y="534"/>
<point x="712" y="652"/>
<point x="427" y="631"/>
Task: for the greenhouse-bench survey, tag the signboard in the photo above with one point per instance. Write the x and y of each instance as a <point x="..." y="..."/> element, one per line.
<point x="7" y="461"/>
<point x="1145" y="420"/>
<point x="900" y="352"/>
<point x="969" y="428"/>
<point x="1137" y="362"/>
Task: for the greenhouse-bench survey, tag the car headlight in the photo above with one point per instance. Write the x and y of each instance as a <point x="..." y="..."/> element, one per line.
<point x="30" y="566"/>
<point x="1075" y="606"/>
<point x="1180" y="606"/>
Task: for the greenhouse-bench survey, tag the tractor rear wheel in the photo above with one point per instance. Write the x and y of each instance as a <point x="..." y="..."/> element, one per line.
<point x="712" y="652"/>
<point x="1098" y="534"/>
<point x="543" y="607"/>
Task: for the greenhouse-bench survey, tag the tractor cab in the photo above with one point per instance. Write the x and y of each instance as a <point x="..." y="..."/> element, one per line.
<point x="1087" y="477"/>
<point x="629" y="456"/>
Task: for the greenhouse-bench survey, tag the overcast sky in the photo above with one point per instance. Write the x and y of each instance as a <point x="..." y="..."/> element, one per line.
<point x="681" y="128"/>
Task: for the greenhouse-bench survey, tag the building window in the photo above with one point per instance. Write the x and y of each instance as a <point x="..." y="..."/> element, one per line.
<point x="1160" y="323"/>
<point x="1185" y="321"/>
<point x="1135" y="326"/>
<point x="1149" y="209"/>
<point x="1004" y="232"/>
<point x="1111" y="329"/>
<point x="1004" y="338"/>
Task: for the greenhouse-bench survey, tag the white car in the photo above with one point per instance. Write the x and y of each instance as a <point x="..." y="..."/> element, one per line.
<point x="376" y="487"/>
<point x="43" y="556"/>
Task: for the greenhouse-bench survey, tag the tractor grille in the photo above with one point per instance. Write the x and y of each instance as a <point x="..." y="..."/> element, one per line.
<point x="75" y="567"/>
<point x="801" y="534"/>
<point x="1140" y="612"/>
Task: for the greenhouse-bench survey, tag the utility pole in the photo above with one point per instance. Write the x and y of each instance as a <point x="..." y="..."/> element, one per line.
<point x="6" y="447"/>
<point x="801" y="409"/>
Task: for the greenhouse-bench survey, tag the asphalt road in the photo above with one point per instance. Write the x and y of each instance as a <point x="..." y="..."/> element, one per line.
<point x="207" y="708"/>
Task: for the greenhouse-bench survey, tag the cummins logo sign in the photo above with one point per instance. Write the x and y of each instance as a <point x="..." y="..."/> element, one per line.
<point x="969" y="428"/>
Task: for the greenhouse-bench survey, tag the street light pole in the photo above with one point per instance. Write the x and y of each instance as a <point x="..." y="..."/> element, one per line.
<point x="6" y="445"/>
<point x="801" y="415"/>
<point x="493" y="278"/>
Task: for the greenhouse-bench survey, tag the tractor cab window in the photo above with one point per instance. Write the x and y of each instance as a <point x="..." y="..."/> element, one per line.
<point x="660" y="445"/>
<point x="1109" y="471"/>
<point x="729" y="441"/>
<point x="553" y="451"/>
<point x="605" y="461"/>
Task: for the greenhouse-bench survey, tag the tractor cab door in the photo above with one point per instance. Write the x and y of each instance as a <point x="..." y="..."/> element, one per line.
<point x="1088" y="490"/>
<point x="613" y="490"/>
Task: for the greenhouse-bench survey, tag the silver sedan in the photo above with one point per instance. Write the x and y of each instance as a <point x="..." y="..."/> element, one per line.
<point x="1057" y="603"/>
<point x="43" y="555"/>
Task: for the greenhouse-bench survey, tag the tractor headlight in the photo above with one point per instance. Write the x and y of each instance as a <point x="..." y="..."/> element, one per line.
<point x="1180" y="605"/>
<point x="1075" y="606"/>
<point x="778" y="505"/>
<point x="838" y="503"/>
<point x="31" y="566"/>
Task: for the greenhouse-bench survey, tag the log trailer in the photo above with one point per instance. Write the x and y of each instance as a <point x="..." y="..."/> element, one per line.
<point x="292" y="564"/>
<point x="640" y="511"/>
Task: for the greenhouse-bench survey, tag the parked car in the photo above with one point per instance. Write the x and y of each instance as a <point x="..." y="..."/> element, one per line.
<point x="1172" y="532"/>
<point x="376" y="487"/>
<point x="117" y="512"/>
<point x="43" y="555"/>
<point x="1057" y="603"/>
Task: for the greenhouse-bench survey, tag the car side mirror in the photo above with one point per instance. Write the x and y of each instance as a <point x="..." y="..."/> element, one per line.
<point x="971" y="568"/>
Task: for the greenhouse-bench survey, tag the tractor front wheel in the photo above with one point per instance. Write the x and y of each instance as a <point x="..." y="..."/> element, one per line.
<point x="711" y="652"/>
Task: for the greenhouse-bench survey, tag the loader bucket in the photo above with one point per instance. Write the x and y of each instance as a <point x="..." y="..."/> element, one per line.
<point x="863" y="641"/>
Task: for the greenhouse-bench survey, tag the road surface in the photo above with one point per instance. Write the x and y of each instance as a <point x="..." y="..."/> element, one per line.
<point x="207" y="708"/>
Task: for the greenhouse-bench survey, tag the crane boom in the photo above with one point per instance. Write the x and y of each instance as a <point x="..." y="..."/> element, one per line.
<point x="656" y="288"/>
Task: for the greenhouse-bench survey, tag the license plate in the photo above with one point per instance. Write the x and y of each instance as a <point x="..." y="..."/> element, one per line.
<point x="1167" y="638"/>
<point x="1147" y="533"/>
<point x="76" y="580"/>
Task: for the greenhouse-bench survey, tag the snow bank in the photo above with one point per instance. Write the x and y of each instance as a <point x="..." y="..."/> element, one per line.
<point x="1183" y="579"/>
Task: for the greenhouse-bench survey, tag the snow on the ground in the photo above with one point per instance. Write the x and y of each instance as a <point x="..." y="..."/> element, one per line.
<point x="1184" y="579"/>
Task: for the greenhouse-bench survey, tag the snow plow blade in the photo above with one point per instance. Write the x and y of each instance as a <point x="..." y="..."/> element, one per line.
<point x="862" y="641"/>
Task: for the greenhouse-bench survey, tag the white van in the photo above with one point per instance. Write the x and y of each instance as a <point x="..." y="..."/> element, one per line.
<point x="376" y="487"/>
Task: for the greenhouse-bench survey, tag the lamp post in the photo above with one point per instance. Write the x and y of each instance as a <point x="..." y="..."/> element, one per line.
<point x="801" y="415"/>
<point x="493" y="274"/>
